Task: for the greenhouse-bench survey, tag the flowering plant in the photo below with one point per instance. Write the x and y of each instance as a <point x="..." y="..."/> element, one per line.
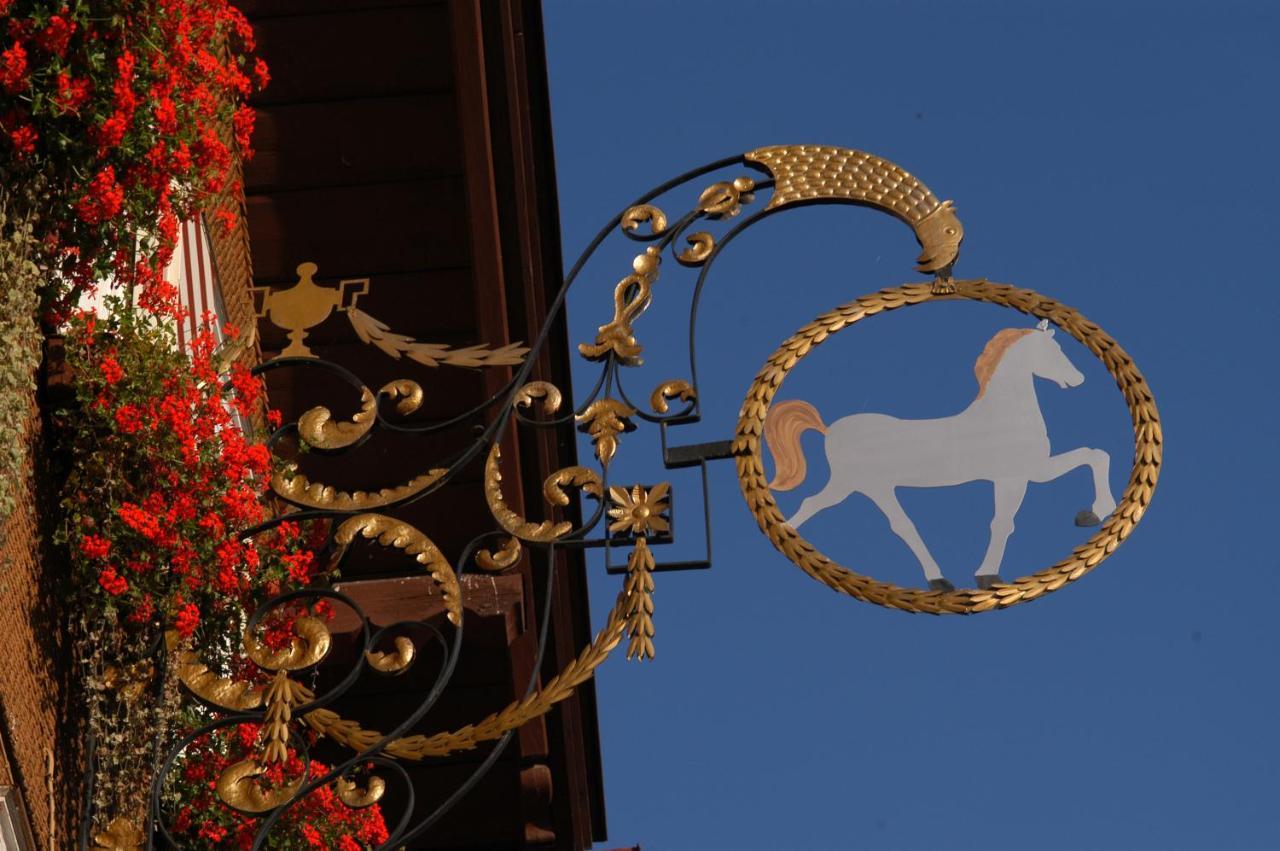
<point x="129" y="116"/>
<point x="163" y="479"/>
<point x="163" y="484"/>
<point x="321" y="820"/>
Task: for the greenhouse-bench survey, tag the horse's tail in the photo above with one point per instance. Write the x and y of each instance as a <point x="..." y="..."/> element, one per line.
<point x="783" y="426"/>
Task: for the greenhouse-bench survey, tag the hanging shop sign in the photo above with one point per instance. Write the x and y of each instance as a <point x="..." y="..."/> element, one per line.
<point x="1000" y="437"/>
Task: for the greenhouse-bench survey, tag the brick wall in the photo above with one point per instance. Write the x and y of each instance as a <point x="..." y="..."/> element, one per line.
<point x="31" y="693"/>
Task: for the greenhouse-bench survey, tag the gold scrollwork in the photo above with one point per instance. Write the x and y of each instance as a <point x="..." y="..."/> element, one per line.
<point x="630" y="299"/>
<point x="350" y="734"/>
<point x="223" y="692"/>
<point x="1148" y="451"/>
<point x="391" y="532"/>
<point x="675" y="389"/>
<point x="318" y="428"/>
<point x="505" y="558"/>
<point x="358" y="798"/>
<point x="544" y="390"/>
<point x="507" y="518"/>
<point x="408" y="392"/>
<point x="237" y="789"/>
<point x="310" y="644"/>
<point x="634" y="216"/>
<point x="604" y="420"/>
<point x="583" y="478"/>
<point x="701" y="244"/>
<point x="396" y="662"/>
<point x="725" y="199"/>
<point x="295" y="487"/>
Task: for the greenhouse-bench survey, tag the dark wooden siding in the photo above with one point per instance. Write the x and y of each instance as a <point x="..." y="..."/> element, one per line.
<point x="409" y="142"/>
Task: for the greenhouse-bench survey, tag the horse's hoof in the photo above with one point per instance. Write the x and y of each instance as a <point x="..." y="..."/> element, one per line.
<point x="988" y="581"/>
<point x="940" y="585"/>
<point x="1087" y="518"/>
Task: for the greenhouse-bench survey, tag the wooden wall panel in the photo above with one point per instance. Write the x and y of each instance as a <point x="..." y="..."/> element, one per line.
<point x="261" y="10"/>
<point x="400" y="137"/>
<point x="357" y="231"/>
<point x="373" y="52"/>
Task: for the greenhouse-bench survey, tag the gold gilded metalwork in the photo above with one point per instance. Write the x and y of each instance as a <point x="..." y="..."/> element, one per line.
<point x="238" y="789"/>
<point x="358" y="798"/>
<point x="300" y="490"/>
<point x="544" y="390"/>
<point x="675" y="389"/>
<point x="807" y="173"/>
<point x="396" y="662"/>
<point x="507" y="518"/>
<point x="630" y="299"/>
<point x="310" y="644"/>
<point x="701" y="244"/>
<point x="516" y="714"/>
<point x="409" y="394"/>
<point x="725" y="199"/>
<point x="583" y="478"/>
<point x="120" y="835"/>
<point x="505" y="558"/>
<point x="282" y="695"/>
<point x="639" y="511"/>
<point x="391" y="532"/>
<point x="639" y="594"/>
<point x="604" y="420"/>
<point x="318" y="428"/>
<point x="1148" y="449"/>
<point x="196" y="677"/>
<point x="376" y="333"/>
<point x="633" y="217"/>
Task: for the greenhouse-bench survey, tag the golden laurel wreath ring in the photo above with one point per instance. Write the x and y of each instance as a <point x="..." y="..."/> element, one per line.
<point x="1147" y="438"/>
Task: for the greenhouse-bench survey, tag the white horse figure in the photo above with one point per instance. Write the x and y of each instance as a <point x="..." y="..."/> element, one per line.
<point x="1001" y="437"/>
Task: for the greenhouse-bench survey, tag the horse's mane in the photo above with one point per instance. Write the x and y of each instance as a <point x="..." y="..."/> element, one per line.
<point x="985" y="366"/>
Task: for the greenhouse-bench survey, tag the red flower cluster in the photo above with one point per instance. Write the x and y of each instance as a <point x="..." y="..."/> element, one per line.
<point x="137" y="111"/>
<point x="320" y="820"/>
<point x="166" y="479"/>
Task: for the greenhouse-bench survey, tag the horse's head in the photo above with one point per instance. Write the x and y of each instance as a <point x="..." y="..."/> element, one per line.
<point x="1046" y="359"/>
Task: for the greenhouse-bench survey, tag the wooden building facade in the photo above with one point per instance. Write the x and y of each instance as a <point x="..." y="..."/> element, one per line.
<point x="409" y="143"/>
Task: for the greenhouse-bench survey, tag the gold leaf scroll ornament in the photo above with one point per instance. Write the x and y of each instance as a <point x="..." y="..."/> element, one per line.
<point x="668" y="390"/>
<point x="391" y="532"/>
<point x="239" y="789"/>
<point x="604" y="420"/>
<point x="552" y="488"/>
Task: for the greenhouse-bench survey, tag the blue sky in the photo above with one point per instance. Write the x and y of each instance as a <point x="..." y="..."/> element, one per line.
<point x="1117" y="156"/>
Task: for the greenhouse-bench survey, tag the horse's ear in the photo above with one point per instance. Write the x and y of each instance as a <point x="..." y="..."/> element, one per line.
<point x="1043" y="325"/>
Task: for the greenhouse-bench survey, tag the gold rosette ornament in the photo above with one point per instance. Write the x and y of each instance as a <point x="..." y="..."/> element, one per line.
<point x="639" y="511"/>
